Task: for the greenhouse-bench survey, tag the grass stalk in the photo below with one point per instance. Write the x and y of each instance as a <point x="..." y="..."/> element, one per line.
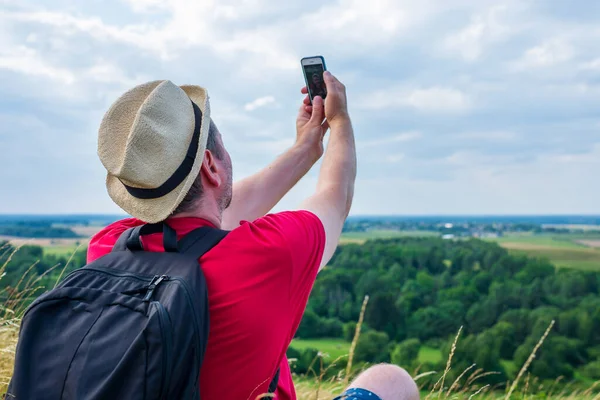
<point x="529" y="360"/>
<point x="361" y="318"/>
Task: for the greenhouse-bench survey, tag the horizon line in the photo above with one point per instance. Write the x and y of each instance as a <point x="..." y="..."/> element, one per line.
<point x="350" y="216"/>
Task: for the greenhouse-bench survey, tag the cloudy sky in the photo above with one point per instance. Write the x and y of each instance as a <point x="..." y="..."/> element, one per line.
<point x="459" y="106"/>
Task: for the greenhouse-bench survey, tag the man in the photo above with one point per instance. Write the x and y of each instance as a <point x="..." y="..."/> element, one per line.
<point x="260" y="275"/>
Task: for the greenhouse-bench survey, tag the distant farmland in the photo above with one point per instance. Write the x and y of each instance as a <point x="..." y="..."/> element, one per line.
<point x="566" y="250"/>
<point x="361" y="237"/>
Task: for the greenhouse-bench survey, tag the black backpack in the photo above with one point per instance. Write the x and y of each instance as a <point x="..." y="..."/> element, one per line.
<point x="131" y="325"/>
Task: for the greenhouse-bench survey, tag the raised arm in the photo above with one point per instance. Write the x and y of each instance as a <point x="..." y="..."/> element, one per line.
<point x="332" y="199"/>
<point x="256" y="195"/>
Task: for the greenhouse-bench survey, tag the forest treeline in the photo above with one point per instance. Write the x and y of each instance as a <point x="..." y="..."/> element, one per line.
<point x="36" y="229"/>
<point x="422" y="290"/>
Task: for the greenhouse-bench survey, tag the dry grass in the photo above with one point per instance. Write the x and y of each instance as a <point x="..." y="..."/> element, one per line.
<point x="314" y="388"/>
<point x="355" y="339"/>
<point x="9" y="333"/>
<point x="529" y="360"/>
<point x="448" y="363"/>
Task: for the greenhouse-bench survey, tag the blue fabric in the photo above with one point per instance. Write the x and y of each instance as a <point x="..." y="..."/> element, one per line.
<point x="358" y="394"/>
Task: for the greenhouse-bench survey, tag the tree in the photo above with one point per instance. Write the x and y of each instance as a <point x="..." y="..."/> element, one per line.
<point x="558" y="356"/>
<point x="504" y="335"/>
<point x="440" y="321"/>
<point x="382" y="314"/>
<point x="309" y="326"/>
<point x="313" y="326"/>
<point x="482" y="350"/>
<point x="405" y="354"/>
<point x="480" y="316"/>
<point x="535" y="268"/>
<point x="373" y="347"/>
<point x="592" y="370"/>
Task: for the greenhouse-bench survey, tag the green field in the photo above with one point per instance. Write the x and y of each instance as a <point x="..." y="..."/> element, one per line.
<point x="334" y="348"/>
<point x="429" y="355"/>
<point x="563" y="250"/>
<point x="361" y="237"/>
<point x="564" y="241"/>
<point x="510" y="367"/>
<point x="61" y="251"/>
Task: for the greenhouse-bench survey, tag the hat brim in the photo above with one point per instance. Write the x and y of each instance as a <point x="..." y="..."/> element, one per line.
<point x="159" y="209"/>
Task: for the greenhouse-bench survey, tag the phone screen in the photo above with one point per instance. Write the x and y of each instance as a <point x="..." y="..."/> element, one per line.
<point x="314" y="80"/>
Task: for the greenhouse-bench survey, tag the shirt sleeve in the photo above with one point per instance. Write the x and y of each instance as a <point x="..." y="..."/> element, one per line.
<point x="302" y="236"/>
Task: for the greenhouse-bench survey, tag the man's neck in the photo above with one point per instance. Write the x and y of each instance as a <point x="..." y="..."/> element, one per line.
<point x="208" y="212"/>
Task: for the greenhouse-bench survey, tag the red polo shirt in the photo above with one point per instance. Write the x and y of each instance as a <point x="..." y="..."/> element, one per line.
<point x="259" y="278"/>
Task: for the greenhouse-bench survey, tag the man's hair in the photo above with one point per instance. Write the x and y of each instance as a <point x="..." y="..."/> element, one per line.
<point x="196" y="190"/>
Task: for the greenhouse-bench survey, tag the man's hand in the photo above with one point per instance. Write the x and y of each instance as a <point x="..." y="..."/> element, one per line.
<point x="310" y="126"/>
<point x="336" y="103"/>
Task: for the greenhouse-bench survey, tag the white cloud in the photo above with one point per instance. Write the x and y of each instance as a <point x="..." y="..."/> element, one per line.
<point x="547" y="54"/>
<point x="109" y="73"/>
<point x="147" y="5"/>
<point x="398" y="138"/>
<point x="359" y="21"/>
<point x="259" y="102"/>
<point x="141" y="36"/>
<point x="271" y="147"/>
<point x="439" y="99"/>
<point x="483" y="30"/>
<point x="584" y="158"/>
<point x="492" y="136"/>
<point x="27" y="61"/>
<point x="395" y="158"/>
<point x="429" y="100"/>
<point x="190" y="24"/>
<point x="591" y="65"/>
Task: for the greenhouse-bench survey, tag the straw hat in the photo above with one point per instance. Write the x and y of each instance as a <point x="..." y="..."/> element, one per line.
<point x="151" y="142"/>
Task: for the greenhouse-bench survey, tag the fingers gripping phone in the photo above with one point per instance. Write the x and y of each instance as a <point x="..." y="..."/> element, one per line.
<point x="313" y="68"/>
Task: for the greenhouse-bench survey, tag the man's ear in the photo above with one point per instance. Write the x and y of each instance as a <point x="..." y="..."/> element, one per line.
<point x="210" y="169"/>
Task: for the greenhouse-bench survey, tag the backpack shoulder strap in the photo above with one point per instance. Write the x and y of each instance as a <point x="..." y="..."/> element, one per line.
<point x="201" y="240"/>
<point x="121" y="244"/>
<point x="196" y="244"/>
<point x="274" y="382"/>
<point x="131" y="238"/>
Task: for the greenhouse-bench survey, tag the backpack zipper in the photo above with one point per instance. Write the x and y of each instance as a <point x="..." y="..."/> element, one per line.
<point x="157" y="280"/>
<point x="163" y="317"/>
<point x="154" y="281"/>
<point x="110" y="271"/>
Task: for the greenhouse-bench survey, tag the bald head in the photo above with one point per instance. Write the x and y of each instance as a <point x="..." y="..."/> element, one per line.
<point x="389" y="382"/>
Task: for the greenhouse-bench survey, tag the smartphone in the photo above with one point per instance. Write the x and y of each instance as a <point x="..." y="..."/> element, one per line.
<point x="313" y="68"/>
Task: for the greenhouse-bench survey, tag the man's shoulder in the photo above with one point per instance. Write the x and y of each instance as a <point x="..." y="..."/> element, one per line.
<point x="103" y="241"/>
<point x="281" y="224"/>
<point x="116" y="228"/>
<point x="288" y="232"/>
<point x="282" y="218"/>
